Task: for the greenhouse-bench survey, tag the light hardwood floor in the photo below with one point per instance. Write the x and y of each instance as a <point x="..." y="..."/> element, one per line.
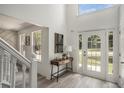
<point x="69" y="80"/>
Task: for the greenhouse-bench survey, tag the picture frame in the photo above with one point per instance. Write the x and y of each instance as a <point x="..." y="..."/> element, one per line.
<point x="59" y="43"/>
<point x="27" y="40"/>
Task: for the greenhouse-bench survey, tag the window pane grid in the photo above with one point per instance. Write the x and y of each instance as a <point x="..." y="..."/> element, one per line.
<point x="110" y="52"/>
<point x="94" y="44"/>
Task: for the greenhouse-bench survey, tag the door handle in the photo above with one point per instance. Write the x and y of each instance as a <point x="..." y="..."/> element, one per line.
<point x="84" y="53"/>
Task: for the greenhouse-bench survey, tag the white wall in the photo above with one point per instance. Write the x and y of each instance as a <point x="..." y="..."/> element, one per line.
<point x="122" y="46"/>
<point x="42" y="67"/>
<point x="105" y="19"/>
<point x="51" y="16"/>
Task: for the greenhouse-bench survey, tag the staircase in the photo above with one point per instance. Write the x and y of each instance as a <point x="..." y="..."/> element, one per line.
<point x="9" y="57"/>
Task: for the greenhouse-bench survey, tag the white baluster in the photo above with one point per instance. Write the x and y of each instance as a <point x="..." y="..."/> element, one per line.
<point x="1" y="65"/>
<point x="8" y="69"/>
<point x="6" y="66"/>
<point x="33" y="74"/>
<point x="13" y="71"/>
<point x="6" y="62"/>
<point x="24" y="75"/>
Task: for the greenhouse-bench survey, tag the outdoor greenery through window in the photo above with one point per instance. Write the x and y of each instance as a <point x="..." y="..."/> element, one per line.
<point x="88" y="8"/>
<point x="110" y="53"/>
<point x="80" y="50"/>
<point x="37" y="44"/>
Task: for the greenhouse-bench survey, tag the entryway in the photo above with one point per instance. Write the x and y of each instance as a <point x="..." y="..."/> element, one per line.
<point x="98" y="54"/>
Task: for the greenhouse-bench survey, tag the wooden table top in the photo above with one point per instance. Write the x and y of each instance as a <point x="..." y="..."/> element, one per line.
<point x="61" y="61"/>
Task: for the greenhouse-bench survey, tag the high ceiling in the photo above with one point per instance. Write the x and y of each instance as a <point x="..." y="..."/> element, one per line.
<point x="13" y="24"/>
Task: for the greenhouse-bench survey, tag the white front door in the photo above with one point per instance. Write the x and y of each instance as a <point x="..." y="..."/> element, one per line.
<point x="100" y="54"/>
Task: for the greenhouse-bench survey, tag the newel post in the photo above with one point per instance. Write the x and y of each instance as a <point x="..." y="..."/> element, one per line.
<point x="33" y="74"/>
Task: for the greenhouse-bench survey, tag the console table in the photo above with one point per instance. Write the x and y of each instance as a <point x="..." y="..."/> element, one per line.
<point x="58" y="62"/>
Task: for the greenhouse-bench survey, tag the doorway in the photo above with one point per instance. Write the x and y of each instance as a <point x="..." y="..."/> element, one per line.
<point x="98" y="54"/>
<point x="30" y="44"/>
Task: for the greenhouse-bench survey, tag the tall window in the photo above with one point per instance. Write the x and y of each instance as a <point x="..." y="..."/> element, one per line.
<point x="37" y="44"/>
<point x="80" y="50"/>
<point x="110" y="53"/>
<point x="88" y="8"/>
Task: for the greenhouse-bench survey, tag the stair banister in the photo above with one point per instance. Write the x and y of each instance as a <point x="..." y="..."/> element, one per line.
<point x="15" y="55"/>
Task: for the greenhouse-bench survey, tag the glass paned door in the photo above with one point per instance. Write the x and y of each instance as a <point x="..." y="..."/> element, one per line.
<point x="93" y="54"/>
<point x="100" y="54"/>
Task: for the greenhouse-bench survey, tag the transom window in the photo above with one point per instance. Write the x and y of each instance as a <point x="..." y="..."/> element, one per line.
<point x="88" y="8"/>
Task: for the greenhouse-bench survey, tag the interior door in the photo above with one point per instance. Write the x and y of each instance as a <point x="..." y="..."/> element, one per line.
<point x="93" y="54"/>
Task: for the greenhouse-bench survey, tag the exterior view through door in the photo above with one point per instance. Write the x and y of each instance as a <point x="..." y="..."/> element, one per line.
<point x="98" y="54"/>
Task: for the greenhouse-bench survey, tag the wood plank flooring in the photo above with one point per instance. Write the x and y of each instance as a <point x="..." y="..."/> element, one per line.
<point x="70" y="80"/>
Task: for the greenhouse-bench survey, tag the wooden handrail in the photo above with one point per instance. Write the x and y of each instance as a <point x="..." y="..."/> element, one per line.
<point x="14" y="52"/>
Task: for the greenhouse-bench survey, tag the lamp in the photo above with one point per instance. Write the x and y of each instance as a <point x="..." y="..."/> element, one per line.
<point x="68" y="50"/>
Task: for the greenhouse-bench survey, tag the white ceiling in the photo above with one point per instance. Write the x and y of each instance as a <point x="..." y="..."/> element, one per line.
<point x="13" y="24"/>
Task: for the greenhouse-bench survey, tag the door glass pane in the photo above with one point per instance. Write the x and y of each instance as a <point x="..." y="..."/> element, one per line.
<point x="37" y="44"/>
<point x="110" y="53"/>
<point x="94" y="53"/>
<point x="80" y="50"/>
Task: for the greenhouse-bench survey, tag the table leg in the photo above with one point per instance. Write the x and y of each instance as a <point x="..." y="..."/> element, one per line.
<point x="72" y="66"/>
<point x="58" y="73"/>
<point x="51" y="72"/>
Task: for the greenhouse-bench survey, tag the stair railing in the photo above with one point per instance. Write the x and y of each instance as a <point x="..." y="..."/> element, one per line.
<point x="8" y="59"/>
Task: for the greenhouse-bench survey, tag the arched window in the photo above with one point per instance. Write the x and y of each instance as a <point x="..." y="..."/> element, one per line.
<point x="88" y="8"/>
